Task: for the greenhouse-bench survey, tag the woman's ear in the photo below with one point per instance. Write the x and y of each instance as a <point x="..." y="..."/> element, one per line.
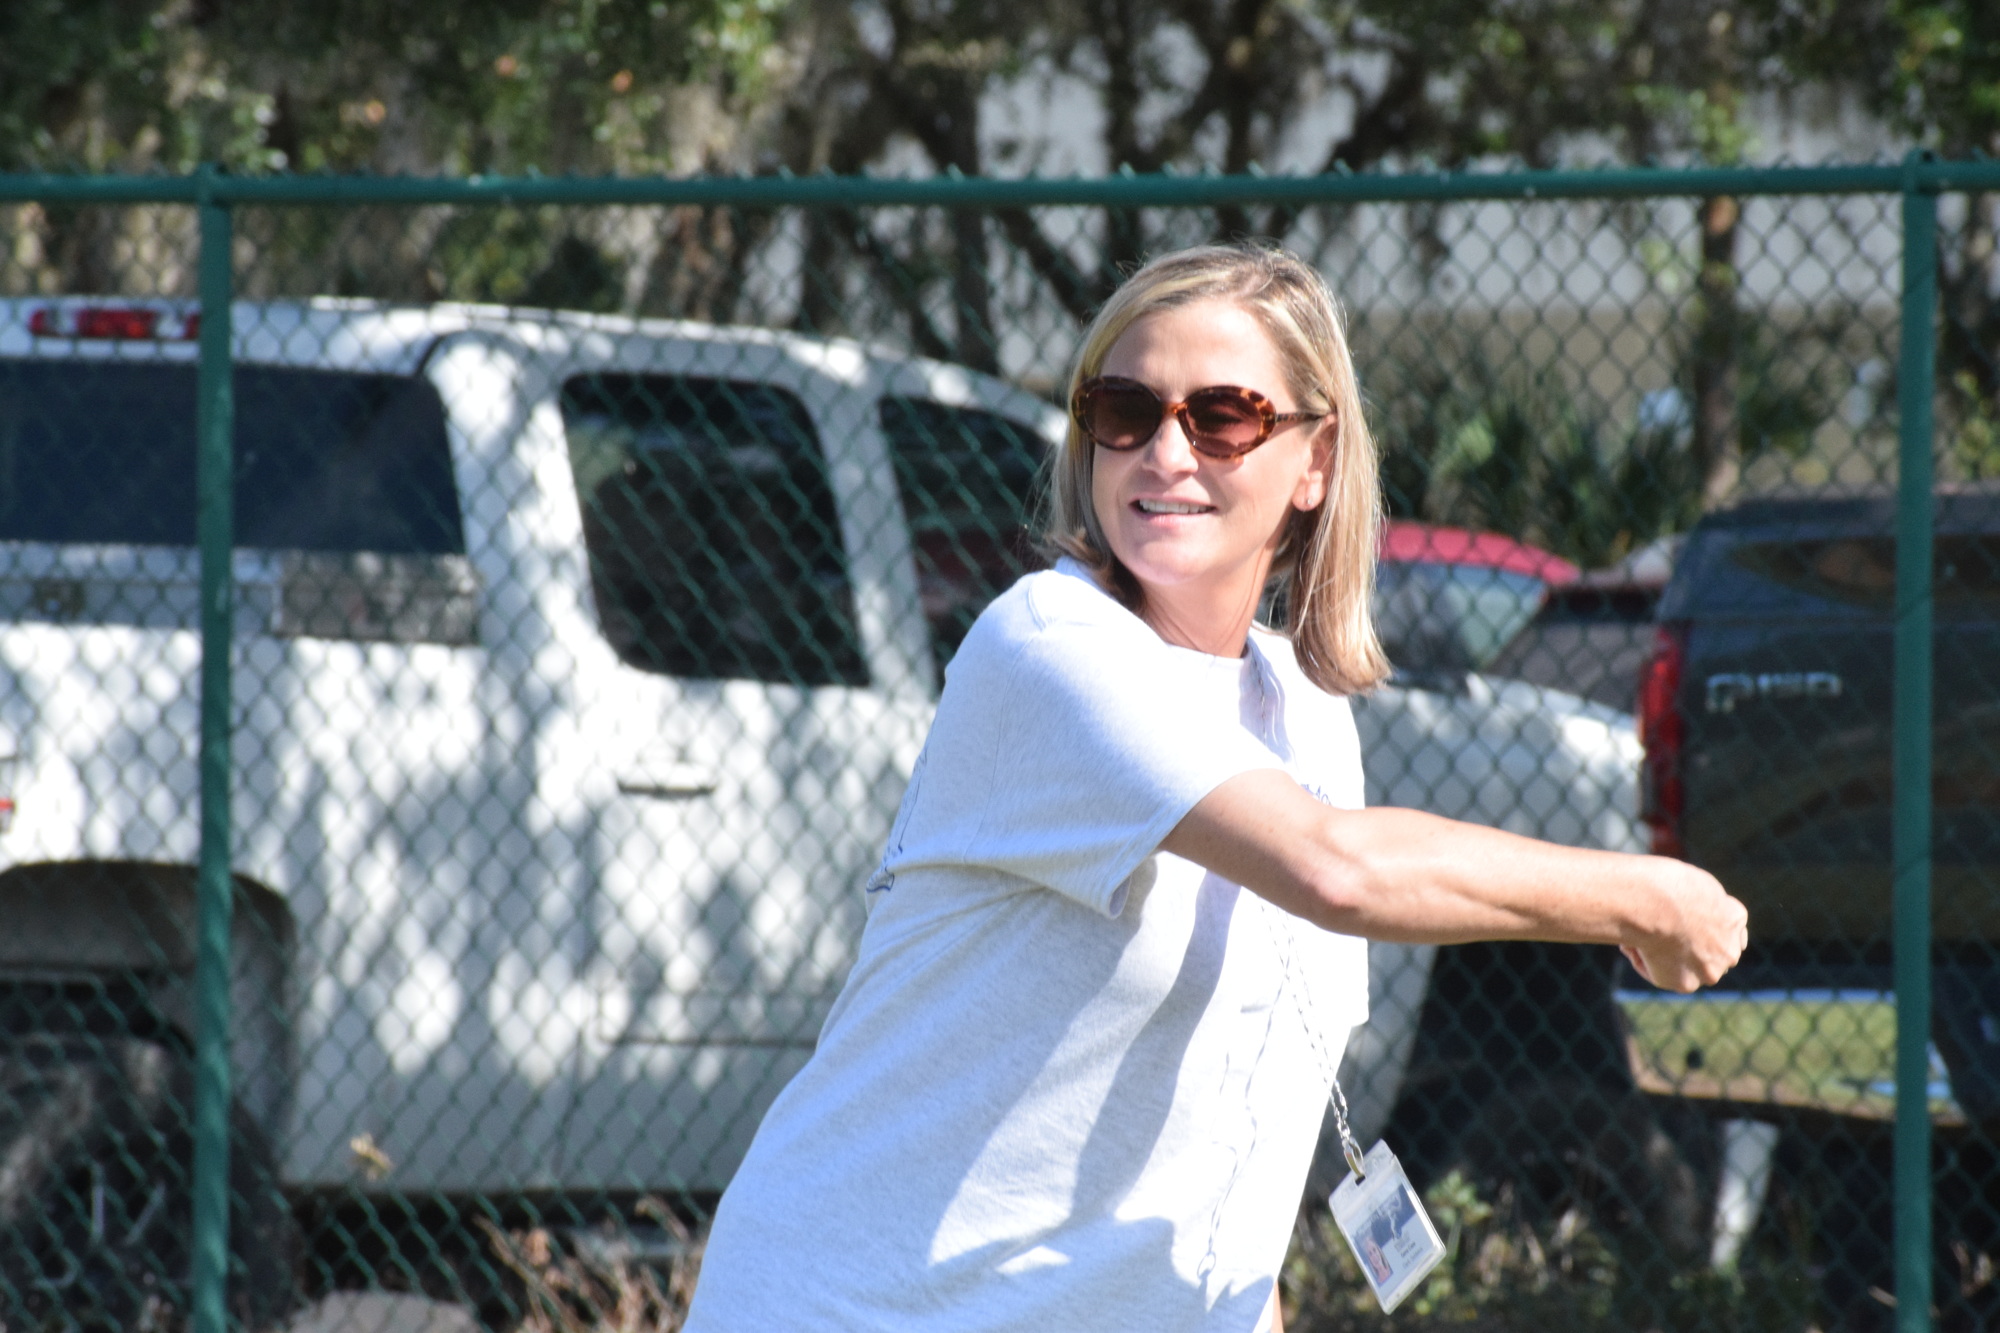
<point x="1318" y="476"/>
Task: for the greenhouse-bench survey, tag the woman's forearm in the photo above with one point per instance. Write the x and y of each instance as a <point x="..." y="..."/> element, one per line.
<point x="1403" y="875"/>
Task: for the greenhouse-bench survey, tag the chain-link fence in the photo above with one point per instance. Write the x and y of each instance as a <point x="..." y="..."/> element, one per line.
<point x="589" y="555"/>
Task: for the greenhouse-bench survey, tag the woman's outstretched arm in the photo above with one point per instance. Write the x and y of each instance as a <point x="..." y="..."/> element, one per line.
<point x="1390" y="874"/>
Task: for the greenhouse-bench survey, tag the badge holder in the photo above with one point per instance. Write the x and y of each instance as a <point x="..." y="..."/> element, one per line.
<point x="1382" y="1217"/>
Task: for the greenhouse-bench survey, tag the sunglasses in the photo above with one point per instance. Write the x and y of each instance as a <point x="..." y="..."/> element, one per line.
<point x="1221" y="421"/>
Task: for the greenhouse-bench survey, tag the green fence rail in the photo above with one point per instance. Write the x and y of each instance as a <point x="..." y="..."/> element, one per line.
<point x="758" y="523"/>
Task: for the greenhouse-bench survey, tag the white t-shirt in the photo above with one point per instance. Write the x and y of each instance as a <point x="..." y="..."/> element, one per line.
<point x="1068" y="1083"/>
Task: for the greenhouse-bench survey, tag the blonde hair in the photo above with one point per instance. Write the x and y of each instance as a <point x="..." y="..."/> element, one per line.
<point x="1325" y="562"/>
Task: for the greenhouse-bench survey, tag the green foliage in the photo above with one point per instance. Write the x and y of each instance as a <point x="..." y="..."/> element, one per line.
<point x="1781" y="402"/>
<point x="1931" y="68"/>
<point x="449" y="85"/>
<point x="1550" y="80"/>
<point x="1975" y="439"/>
<point x="494" y="85"/>
<point x="1516" y="449"/>
<point x="639" y="86"/>
<point x="521" y="257"/>
<point x="1513" y="452"/>
<point x="1505" y="1269"/>
<point x="108" y="85"/>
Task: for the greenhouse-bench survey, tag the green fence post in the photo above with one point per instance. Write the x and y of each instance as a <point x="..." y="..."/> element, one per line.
<point x="1912" y="763"/>
<point x="215" y="421"/>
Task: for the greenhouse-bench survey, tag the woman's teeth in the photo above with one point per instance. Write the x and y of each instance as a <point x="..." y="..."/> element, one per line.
<point x="1171" y="507"/>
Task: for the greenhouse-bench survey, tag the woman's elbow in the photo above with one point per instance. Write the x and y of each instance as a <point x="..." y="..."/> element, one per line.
<point x="1337" y="886"/>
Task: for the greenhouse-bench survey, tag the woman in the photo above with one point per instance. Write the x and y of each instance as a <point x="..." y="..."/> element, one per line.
<point x="1117" y="940"/>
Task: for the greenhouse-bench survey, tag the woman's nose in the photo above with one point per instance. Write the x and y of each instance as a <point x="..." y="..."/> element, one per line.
<point x="1170" y="450"/>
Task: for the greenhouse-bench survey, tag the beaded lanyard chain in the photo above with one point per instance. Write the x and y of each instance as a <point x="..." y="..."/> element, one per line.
<point x="1297" y="988"/>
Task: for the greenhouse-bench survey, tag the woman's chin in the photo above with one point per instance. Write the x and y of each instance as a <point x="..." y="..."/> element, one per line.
<point x="1158" y="565"/>
<point x="1176" y="575"/>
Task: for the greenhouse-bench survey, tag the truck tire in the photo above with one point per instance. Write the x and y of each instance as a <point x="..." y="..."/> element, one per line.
<point x="96" y="1203"/>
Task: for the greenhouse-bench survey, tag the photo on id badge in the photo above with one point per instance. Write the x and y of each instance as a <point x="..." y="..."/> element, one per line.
<point x="1387" y="1228"/>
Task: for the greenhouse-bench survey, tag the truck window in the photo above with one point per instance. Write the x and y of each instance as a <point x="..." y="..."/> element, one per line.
<point x="1861" y="571"/>
<point x="103" y="453"/>
<point x="1434" y="616"/>
<point x="713" y="537"/>
<point x="967" y="479"/>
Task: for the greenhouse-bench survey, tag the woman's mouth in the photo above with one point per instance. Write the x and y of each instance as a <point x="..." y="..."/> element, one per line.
<point x="1171" y="507"/>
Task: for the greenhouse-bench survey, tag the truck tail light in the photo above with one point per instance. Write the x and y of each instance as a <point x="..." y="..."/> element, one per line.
<point x="1663" y="731"/>
<point x="116" y="323"/>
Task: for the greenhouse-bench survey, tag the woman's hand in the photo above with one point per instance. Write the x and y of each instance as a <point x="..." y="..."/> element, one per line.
<point x="1706" y="931"/>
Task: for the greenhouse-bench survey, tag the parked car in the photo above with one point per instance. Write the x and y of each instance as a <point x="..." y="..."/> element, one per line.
<point x="1593" y="635"/>
<point x="580" y="663"/>
<point x="1449" y="600"/>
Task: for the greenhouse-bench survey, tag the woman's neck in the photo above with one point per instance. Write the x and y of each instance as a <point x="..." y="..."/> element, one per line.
<point x="1215" y="621"/>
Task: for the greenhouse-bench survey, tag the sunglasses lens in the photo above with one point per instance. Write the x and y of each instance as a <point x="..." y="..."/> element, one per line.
<point x="1121" y="417"/>
<point x="1222" y="421"/>
<point x="1226" y="419"/>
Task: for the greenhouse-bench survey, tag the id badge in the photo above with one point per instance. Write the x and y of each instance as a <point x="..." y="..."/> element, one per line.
<point x="1387" y="1227"/>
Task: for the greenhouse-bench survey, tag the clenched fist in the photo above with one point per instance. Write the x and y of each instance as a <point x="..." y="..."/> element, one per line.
<point x="1701" y="933"/>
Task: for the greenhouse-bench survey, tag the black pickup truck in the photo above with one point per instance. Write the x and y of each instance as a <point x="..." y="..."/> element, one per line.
<point x="1766" y="714"/>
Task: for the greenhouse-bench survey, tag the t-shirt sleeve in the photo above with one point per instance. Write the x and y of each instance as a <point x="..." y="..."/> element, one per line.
<point x="1065" y="749"/>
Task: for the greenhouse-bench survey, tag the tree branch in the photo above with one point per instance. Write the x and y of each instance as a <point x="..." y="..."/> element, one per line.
<point x="1079" y="293"/>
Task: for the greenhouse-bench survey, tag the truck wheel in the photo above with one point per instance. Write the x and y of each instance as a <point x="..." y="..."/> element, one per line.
<point x="96" y="1208"/>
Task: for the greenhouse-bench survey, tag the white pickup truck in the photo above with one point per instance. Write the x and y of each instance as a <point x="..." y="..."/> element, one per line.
<point x="580" y="663"/>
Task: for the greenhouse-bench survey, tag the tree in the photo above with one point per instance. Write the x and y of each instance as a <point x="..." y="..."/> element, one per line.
<point x="811" y="85"/>
<point x="639" y="85"/>
<point x="644" y="86"/>
<point x="451" y="86"/>
<point x="1930" y="68"/>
